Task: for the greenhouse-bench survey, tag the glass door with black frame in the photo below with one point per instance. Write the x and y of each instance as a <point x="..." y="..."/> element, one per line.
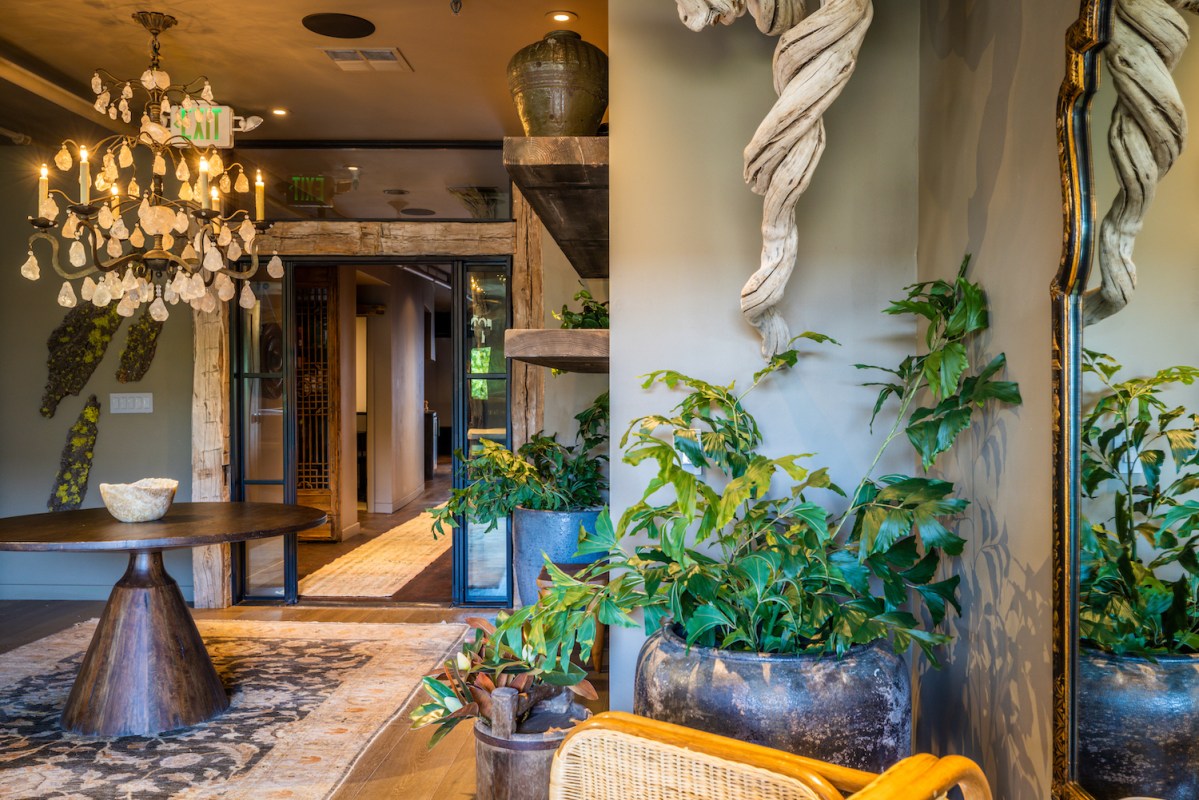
<point x="482" y="311"/>
<point x="262" y="429"/>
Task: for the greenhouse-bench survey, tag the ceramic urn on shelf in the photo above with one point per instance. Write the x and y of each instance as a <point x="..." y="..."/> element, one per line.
<point x="559" y="85"/>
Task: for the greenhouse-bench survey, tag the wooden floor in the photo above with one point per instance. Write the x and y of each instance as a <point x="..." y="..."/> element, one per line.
<point x="432" y="585"/>
<point x="398" y="764"/>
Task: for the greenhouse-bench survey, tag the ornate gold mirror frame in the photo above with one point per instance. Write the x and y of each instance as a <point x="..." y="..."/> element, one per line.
<point x="1084" y="45"/>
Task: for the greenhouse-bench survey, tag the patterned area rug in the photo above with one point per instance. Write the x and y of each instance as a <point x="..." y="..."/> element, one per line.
<point x="382" y="566"/>
<point x="307" y="700"/>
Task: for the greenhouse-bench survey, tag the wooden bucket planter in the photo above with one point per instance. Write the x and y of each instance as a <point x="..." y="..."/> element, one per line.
<point x="512" y="762"/>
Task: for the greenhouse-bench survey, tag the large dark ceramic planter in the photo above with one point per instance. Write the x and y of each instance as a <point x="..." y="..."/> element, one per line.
<point x="854" y="711"/>
<point x="559" y="85"/>
<point x="516" y="765"/>
<point x="536" y="534"/>
<point x="1138" y="726"/>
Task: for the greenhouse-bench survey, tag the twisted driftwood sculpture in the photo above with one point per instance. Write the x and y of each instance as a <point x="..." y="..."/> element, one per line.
<point x="1147" y="134"/>
<point x="813" y="61"/>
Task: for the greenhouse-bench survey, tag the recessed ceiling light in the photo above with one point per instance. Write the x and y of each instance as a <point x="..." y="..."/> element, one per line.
<point x="279" y="112"/>
<point x="352" y="167"/>
<point x="563" y="16"/>
<point x="339" y="26"/>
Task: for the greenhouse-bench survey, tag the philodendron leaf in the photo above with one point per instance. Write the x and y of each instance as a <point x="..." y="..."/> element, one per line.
<point x="931" y="434"/>
<point x="943" y="369"/>
<point x="703" y="619"/>
<point x="937" y="595"/>
<point x="1182" y="444"/>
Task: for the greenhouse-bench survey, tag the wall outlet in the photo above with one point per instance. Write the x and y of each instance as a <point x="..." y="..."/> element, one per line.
<point x="131" y="403"/>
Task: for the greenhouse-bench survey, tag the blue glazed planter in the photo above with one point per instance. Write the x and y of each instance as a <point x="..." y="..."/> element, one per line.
<point x="1138" y="726"/>
<point x="536" y="534"/>
<point x="853" y="711"/>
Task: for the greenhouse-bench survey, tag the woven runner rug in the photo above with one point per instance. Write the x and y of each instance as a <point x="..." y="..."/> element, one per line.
<point x="382" y="566"/>
<point x="307" y="700"/>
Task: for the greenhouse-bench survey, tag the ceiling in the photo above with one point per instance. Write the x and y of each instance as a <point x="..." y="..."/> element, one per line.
<point x="257" y="56"/>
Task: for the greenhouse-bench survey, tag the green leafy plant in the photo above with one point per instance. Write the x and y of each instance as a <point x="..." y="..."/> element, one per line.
<point x="592" y="314"/>
<point x="538" y="650"/>
<point x="1139" y="585"/>
<point x="543" y="475"/>
<point x="739" y="568"/>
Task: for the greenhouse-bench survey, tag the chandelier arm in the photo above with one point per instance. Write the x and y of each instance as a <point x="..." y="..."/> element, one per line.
<point x="246" y="274"/>
<point x="63" y="273"/>
<point x="94" y="238"/>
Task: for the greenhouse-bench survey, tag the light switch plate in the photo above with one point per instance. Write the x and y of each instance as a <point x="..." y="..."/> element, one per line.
<point x="131" y="403"/>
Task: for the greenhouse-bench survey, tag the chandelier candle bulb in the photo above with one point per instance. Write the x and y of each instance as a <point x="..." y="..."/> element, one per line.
<point x="203" y="187"/>
<point x="115" y="202"/>
<point x="43" y="190"/>
<point x="85" y="178"/>
<point x="259" y="195"/>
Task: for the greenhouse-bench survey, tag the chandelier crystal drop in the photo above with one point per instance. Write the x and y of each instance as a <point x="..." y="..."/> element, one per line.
<point x="151" y="220"/>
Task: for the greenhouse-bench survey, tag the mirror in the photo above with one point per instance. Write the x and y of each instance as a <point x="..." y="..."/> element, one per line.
<point x="1126" y="465"/>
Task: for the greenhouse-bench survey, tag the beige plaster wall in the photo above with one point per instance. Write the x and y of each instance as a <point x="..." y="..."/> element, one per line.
<point x="990" y="72"/>
<point x="685" y="235"/>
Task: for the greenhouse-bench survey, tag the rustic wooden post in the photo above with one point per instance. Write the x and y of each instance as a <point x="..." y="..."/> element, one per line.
<point x="528" y="311"/>
<point x="212" y="565"/>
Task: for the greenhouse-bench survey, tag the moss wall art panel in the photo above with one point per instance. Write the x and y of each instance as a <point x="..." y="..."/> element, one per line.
<point x="140" y="346"/>
<point x="76" y="348"/>
<point x="70" y="485"/>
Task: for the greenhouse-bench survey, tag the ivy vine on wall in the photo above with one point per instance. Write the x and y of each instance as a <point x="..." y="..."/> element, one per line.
<point x="140" y="345"/>
<point x="70" y="486"/>
<point x="76" y="348"/>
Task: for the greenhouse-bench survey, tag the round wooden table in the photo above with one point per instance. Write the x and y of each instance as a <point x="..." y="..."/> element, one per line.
<point x="146" y="670"/>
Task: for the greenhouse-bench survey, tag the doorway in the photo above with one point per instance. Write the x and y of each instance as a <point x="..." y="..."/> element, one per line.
<point x="384" y="370"/>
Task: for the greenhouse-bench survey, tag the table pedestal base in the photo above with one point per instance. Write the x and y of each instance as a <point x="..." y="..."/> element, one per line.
<point x="146" y="670"/>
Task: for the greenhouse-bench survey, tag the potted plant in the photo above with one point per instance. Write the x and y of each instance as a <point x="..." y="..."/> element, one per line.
<point x="550" y="489"/>
<point x="592" y="313"/>
<point x="518" y="681"/>
<point x="1138" y="675"/>
<point x="775" y="608"/>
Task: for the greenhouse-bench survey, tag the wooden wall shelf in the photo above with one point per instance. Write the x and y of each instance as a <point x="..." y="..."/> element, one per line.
<point x="567" y="350"/>
<point x="565" y="180"/>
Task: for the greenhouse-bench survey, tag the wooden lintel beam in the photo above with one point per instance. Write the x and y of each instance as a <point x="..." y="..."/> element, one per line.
<point x="347" y="238"/>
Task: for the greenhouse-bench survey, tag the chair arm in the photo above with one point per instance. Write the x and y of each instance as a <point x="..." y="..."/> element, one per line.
<point x="928" y="781"/>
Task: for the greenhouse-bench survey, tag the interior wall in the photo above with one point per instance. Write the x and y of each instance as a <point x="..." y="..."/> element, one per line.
<point x="685" y="237"/>
<point x="128" y="446"/>
<point x="397" y="383"/>
<point x="990" y="73"/>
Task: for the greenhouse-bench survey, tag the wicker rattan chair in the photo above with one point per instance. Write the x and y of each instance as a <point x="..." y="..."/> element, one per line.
<point x="616" y="756"/>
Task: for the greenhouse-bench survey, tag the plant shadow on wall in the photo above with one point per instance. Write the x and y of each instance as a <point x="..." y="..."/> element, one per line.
<point x="1005" y="603"/>
<point x="754" y="586"/>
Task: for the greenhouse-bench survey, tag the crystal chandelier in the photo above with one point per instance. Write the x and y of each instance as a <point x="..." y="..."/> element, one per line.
<point x="155" y="230"/>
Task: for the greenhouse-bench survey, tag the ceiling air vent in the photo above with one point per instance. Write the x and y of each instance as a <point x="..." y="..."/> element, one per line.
<point x="385" y="59"/>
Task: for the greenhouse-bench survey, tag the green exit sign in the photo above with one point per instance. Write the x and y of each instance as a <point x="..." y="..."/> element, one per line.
<point x="306" y="191"/>
<point x="203" y="125"/>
